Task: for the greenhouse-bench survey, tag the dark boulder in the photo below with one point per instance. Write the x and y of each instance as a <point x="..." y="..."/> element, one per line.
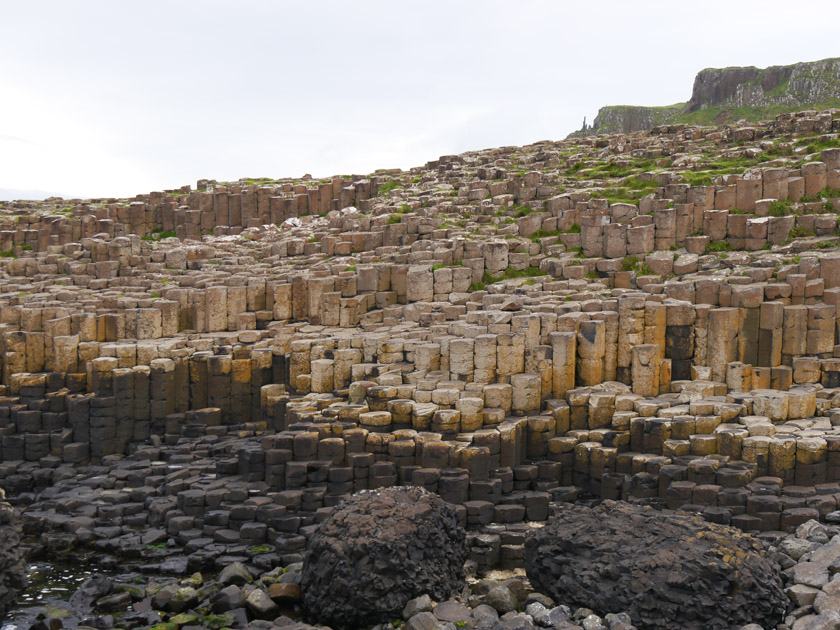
<point x="665" y="569"/>
<point x="12" y="568"/>
<point x="378" y="550"/>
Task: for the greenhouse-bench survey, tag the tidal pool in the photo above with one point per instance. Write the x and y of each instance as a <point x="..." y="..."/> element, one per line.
<point x="49" y="587"/>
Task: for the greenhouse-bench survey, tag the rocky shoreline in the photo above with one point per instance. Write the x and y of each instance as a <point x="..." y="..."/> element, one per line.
<point x="177" y="582"/>
<point x="11" y="556"/>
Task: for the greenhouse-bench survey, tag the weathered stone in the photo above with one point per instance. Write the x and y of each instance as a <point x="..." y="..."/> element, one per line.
<point x="378" y="551"/>
<point x="568" y="557"/>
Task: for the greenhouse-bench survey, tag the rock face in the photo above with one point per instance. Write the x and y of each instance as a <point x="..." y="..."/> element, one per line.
<point x="377" y="551"/>
<point x="797" y="85"/>
<point x="665" y="569"/>
<point x="632" y="118"/>
<point x="12" y="576"/>
<point x="726" y="92"/>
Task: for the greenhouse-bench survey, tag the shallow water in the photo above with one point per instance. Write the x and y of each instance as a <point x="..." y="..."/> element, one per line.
<point x="49" y="586"/>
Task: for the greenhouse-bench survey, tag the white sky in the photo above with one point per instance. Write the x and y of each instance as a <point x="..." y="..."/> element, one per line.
<point x="119" y="97"/>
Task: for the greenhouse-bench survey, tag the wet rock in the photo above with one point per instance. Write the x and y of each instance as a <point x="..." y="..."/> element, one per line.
<point x="175" y="598"/>
<point x="115" y="602"/>
<point x="177" y="565"/>
<point x="284" y="593"/>
<point x="235" y="573"/>
<point x="12" y="570"/>
<point x="92" y="589"/>
<point x="664" y="569"/>
<point x="184" y="619"/>
<point x="259" y="603"/>
<point x="376" y="552"/>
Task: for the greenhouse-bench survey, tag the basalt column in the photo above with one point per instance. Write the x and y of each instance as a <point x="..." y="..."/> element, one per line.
<point x="631" y="332"/>
<point x="679" y="339"/>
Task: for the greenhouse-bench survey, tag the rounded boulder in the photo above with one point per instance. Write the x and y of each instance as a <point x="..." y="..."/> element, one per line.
<point x="378" y="550"/>
<point x="666" y="569"/>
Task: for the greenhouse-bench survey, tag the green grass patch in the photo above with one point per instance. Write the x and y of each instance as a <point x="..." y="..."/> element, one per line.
<point x="157" y="234"/>
<point x="814" y="146"/>
<point x="510" y="273"/>
<point x="800" y="232"/>
<point x="781" y="208"/>
<point x="539" y="234"/>
<point x="388" y="187"/>
<point x="522" y="211"/>
<point x="718" y="246"/>
<point x="719" y="114"/>
<point x="629" y="263"/>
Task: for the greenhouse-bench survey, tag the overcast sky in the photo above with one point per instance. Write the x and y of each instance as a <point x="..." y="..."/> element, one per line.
<point x="117" y="97"/>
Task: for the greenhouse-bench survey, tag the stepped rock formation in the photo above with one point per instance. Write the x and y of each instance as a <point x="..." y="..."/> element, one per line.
<point x="722" y="95"/>
<point x="196" y="378"/>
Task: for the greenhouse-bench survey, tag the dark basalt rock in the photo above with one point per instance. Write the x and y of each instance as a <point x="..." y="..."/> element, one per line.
<point x="12" y="568"/>
<point x="665" y="569"/>
<point x="378" y="550"/>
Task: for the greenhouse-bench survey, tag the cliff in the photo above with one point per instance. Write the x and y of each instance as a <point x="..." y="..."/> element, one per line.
<point x="722" y="95"/>
<point x="799" y="85"/>
<point x="632" y="118"/>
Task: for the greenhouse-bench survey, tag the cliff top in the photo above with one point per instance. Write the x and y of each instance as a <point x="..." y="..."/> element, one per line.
<point x="723" y="95"/>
